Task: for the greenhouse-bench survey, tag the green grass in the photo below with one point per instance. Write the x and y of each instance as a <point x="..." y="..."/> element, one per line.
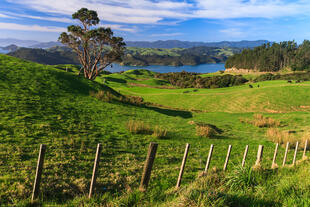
<point x="45" y="105"/>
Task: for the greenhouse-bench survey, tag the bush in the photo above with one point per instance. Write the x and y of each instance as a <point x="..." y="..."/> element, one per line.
<point x="194" y="80"/>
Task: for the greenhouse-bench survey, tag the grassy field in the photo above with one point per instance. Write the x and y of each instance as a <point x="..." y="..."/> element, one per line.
<point x="45" y="105"/>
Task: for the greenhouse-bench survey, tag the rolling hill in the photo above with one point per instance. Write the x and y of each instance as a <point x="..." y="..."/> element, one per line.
<point x="41" y="104"/>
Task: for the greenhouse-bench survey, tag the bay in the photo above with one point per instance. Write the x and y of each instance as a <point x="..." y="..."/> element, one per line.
<point x="203" y="68"/>
<point x="3" y="51"/>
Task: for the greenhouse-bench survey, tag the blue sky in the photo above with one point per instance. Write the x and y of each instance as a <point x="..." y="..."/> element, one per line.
<point x="149" y="20"/>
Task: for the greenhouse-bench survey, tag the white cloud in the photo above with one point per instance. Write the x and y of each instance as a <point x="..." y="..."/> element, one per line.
<point x="124" y="11"/>
<point x="120" y="27"/>
<point x="21" y="27"/>
<point x="5" y="16"/>
<point x="155" y="12"/>
<point x="52" y="19"/>
<point x="226" y="9"/>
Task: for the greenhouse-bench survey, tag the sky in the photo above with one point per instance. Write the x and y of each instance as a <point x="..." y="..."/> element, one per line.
<point x="150" y="20"/>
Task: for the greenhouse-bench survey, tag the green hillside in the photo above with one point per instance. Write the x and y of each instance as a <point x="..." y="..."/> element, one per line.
<point x="42" y="104"/>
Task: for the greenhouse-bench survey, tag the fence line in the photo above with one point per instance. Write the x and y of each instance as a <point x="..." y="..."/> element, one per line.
<point x="146" y="175"/>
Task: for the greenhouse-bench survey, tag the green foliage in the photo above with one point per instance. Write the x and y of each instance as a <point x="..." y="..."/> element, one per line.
<point x="273" y="57"/>
<point x="298" y="76"/>
<point x="193" y="80"/>
<point x="89" y="43"/>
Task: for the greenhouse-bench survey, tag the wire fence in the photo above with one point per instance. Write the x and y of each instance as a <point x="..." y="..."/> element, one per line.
<point x="68" y="168"/>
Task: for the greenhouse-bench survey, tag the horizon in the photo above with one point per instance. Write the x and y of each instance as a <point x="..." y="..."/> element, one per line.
<point x="151" y="41"/>
<point x="149" y="20"/>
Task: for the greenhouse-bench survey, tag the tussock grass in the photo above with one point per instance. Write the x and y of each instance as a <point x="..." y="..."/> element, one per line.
<point x="205" y="131"/>
<point x="139" y="127"/>
<point x="159" y="132"/>
<point x="282" y="137"/>
<point x="260" y="121"/>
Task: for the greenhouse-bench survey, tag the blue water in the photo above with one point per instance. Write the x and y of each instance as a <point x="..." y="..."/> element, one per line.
<point x="204" y="68"/>
<point x="3" y="51"/>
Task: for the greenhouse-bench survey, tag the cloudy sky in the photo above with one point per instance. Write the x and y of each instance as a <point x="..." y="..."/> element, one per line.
<point x="191" y="20"/>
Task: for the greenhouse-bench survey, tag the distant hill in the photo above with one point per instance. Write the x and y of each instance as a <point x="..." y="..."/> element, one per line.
<point x="49" y="57"/>
<point x="187" y="44"/>
<point x="133" y="56"/>
<point x="143" y="44"/>
<point x="9" y="48"/>
<point x="21" y="43"/>
<point x="45" y="45"/>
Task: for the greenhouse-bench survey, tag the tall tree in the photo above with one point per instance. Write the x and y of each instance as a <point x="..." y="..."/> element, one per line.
<point x="96" y="48"/>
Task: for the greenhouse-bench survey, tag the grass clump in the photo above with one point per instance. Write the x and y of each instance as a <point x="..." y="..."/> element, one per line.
<point x="260" y="121"/>
<point x="242" y="178"/>
<point x="159" y="132"/>
<point x="282" y="137"/>
<point x="139" y="127"/>
<point x="102" y="95"/>
<point x="205" y="131"/>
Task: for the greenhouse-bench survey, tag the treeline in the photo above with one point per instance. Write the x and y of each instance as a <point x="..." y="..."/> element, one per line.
<point x="298" y="77"/>
<point x="273" y="57"/>
<point x="194" y="80"/>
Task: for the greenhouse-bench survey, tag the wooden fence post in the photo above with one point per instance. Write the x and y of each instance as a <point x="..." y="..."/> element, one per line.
<point x="182" y="165"/>
<point x="244" y="155"/>
<point x="305" y="149"/>
<point x="37" y="180"/>
<point x="227" y="158"/>
<point x="285" y="154"/>
<point x="259" y="154"/>
<point x="295" y="153"/>
<point x="148" y="166"/>
<point x="273" y="165"/>
<point x="209" y="159"/>
<point x="94" y="176"/>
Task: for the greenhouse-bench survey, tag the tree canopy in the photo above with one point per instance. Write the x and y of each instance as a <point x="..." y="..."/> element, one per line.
<point x="96" y="47"/>
<point x="273" y="57"/>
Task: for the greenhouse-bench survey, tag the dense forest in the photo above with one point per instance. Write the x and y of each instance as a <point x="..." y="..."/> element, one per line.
<point x="194" y="80"/>
<point x="273" y="57"/>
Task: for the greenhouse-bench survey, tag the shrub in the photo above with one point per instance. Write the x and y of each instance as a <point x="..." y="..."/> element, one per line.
<point x="138" y="127"/>
<point x="159" y="132"/>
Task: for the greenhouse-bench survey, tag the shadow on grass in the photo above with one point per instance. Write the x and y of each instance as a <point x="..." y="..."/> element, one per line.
<point x="117" y="80"/>
<point x="171" y="112"/>
<point x="242" y="200"/>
